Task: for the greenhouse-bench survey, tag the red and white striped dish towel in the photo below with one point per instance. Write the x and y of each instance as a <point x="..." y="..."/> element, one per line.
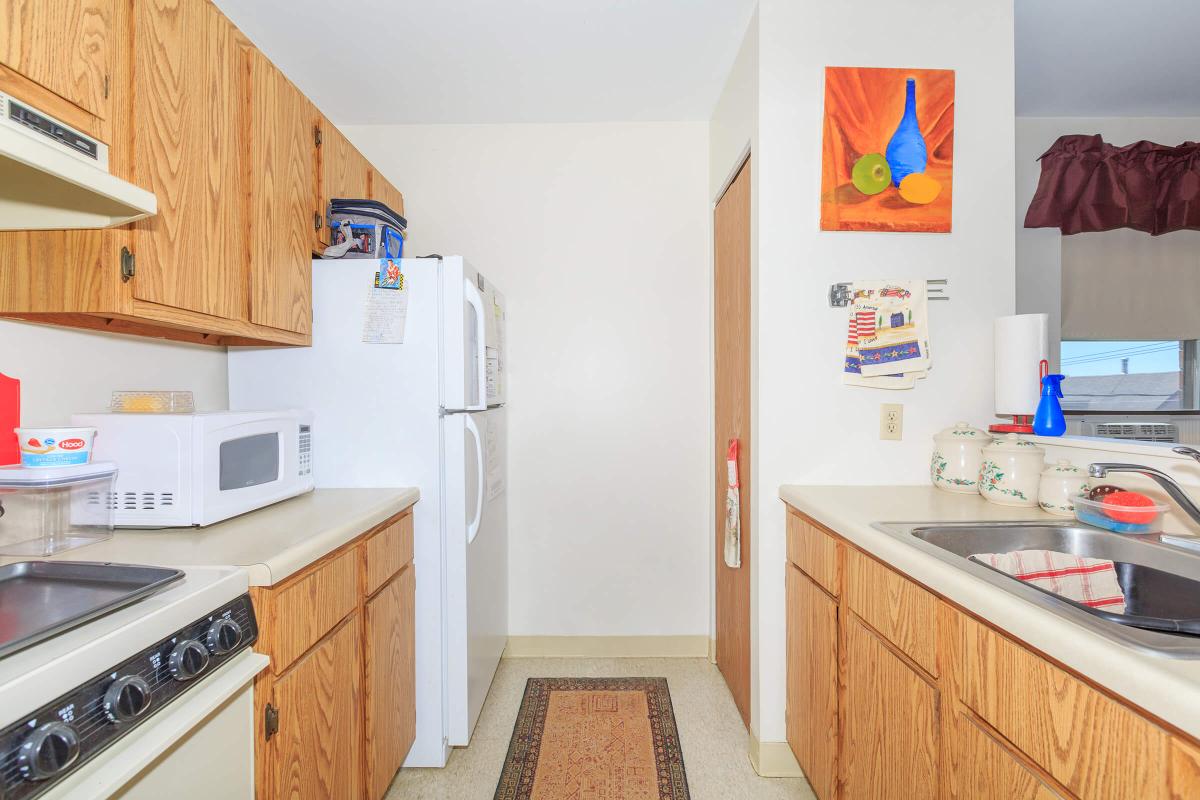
<point x="1090" y="581"/>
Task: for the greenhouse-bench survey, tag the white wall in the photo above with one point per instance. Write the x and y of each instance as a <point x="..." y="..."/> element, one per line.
<point x="598" y="236"/>
<point x="63" y="371"/>
<point x="811" y="428"/>
<point x="1039" y="250"/>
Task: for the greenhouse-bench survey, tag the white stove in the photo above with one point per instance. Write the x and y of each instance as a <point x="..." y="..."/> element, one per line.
<point x="151" y="699"/>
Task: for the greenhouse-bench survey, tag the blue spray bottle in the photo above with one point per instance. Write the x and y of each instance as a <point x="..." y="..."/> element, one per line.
<point x="1049" y="420"/>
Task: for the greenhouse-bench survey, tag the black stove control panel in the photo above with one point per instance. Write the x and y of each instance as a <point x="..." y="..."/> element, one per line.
<point x="52" y="741"/>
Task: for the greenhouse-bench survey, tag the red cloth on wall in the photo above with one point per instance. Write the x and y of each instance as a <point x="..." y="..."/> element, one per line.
<point x="1088" y="185"/>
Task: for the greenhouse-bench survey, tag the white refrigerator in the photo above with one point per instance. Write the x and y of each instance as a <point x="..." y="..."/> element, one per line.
<point x="407" y="387"/>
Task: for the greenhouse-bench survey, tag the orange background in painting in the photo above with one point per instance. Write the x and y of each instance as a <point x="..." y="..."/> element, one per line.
<point x="863" y="106"/>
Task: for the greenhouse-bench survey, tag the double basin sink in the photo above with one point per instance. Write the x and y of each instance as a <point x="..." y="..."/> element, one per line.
<point x="1161" y="583"/>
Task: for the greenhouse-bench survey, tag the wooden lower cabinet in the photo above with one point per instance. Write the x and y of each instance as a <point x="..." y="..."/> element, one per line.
<point x="889" y="716"/>
<point x="925" y="701"/>
<point x="318" y="748"/>
<point x="337" y="707"/>
<point x="983" y="768"/>
<point x="812" y="713"/>
<point x="390" y="679"/>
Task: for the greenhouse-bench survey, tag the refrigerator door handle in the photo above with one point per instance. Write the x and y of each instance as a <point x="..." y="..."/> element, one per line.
<point x="475" y="299"/>
<point x="473" y="526"/>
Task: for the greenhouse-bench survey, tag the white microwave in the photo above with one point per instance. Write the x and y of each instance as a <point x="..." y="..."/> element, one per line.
<point x="196" y="469"/>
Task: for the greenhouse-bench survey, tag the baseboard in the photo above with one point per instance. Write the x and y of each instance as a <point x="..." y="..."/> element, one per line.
<point x="712" y="651"/>
<point x="607" y="647"/>
<point x="773" y="759"/>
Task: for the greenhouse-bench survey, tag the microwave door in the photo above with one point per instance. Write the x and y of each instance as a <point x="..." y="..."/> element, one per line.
<point x="246" y="466"/>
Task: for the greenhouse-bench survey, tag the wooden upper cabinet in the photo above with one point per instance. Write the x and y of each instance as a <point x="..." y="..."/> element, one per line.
<point x="387" y="194"/>
<point x="63" y="45"/>
<point x="812" y="714"/>
<point x="282" y="180"/>
<point x="189" y="142"/>
<point x="344" y="172"/>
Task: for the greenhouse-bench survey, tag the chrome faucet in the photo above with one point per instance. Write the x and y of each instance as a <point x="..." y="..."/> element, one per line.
<point x="1169" y="484"/>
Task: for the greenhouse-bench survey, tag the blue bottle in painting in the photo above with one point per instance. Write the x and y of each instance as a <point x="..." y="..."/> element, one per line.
<point x="906" y="151"/>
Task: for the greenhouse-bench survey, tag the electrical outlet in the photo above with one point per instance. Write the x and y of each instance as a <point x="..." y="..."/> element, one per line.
<point x="891" y="421"/>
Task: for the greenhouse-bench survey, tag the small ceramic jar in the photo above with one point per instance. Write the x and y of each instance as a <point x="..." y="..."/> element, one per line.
<point x="957" y="458"/>
<point x="1060" y="484"/>
<point x="1011" y="472"/>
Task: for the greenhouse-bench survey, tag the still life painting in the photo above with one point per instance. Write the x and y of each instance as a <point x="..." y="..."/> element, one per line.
<point x="887" y="153"/>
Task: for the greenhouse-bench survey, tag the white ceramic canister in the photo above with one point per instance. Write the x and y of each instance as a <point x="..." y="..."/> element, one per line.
<point x="1061" y="483"/>
<point x="957" y="458"/>
<point x="1012" y="470"/>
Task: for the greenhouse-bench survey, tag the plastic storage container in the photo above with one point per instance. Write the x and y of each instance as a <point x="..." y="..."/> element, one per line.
<point x="153" y="402"/>
<point x="47" y="510"/>
<point x="1120" y="519"/>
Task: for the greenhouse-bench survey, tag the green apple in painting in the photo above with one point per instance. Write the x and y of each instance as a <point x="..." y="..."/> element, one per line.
<point x="871" y="174"/>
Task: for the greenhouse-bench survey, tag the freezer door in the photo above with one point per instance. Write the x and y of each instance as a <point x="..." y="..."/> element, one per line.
<point x="464" y="337"/>
<point x="477" y="563"/>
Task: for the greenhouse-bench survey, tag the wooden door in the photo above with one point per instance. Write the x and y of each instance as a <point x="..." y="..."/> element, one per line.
<point x="344" y="172"/>
<point x="812" y="628"/>
<point x="63" y="45"/>
<point x="317" y="751"/>
<point x="390" y="686"/>
<point x="282" y="181"/>
<point x="731" y="287"/>
<point x="188" y="75"/>
<point x="986" y="769"/>
<point x="889" y="718"/>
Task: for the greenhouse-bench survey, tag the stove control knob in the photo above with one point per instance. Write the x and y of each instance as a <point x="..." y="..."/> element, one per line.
<point x="223" y="636"/>
<point x="187" y="660"/>
<point x="48" y="751"/>
<point x="127" y="698"/>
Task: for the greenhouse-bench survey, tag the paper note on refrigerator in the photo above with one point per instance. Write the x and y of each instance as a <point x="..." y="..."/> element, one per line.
<point x="495" y="462"/>
<point x="386" y="314"/>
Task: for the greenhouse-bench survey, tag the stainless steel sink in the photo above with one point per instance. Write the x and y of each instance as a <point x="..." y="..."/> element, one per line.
<point x="1161" y="583"/>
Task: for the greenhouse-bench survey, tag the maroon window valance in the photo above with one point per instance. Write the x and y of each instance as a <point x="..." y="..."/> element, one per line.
<point x="1088" y="185"/>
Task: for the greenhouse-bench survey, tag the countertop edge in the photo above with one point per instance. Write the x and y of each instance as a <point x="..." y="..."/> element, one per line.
<point x="1168" y="689"/>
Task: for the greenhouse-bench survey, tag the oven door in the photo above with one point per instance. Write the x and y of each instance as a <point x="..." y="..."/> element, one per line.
<point x="246" y="465"/>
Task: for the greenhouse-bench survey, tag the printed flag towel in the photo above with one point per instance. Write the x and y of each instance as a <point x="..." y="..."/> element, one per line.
<point x="1090" y="581"/>
<point x="887" y="344"/>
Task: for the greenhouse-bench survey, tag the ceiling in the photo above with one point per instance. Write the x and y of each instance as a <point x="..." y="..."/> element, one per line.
<point x="483" y="61"/>
<point x="1108" y="58"/>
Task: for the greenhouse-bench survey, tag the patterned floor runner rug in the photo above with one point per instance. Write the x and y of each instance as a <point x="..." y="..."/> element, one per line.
<point x="602" y="738"/>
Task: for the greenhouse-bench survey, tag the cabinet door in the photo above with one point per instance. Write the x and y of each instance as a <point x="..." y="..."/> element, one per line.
<point x="64" y="45"/>
<point x="384" y="192"/>
<point x="282" y="183"/>
<point x="317" y="751"/>
<point x="812" y="618"/>
<point x="390" y="698"/>
<point x="889" y="718"/>
<point x="986" y="769"/>
<point x="189" y="152"/>
<point x="345" y="173"/>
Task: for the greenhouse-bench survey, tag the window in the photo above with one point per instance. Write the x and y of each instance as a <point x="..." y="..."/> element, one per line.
<point x="1129" y="376"/>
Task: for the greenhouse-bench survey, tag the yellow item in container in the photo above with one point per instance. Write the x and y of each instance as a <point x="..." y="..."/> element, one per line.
<point x="153" y="402"/>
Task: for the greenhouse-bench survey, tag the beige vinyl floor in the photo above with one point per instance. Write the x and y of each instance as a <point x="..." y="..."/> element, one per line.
<point x="715" y="743"/>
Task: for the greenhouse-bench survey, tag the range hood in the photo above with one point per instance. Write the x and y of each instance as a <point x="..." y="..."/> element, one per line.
<point x="53" y="177"/>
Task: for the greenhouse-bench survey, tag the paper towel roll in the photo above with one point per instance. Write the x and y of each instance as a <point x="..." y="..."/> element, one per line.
<point x="1021" y="341"/>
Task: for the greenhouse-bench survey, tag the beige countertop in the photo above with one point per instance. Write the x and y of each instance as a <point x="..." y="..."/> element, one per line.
<point x="1167" y="688"/>
<point x="271" y="543"/>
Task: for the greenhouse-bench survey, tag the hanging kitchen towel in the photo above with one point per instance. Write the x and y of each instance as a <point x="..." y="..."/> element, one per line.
<point x="887" y="343"/>
<point x="897" y="341"/>
<point x="1090" y="581"/>
<point x="733" y="509"/>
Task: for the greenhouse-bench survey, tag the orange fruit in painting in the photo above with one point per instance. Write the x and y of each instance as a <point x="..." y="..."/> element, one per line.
<point x="919" y="188"/>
